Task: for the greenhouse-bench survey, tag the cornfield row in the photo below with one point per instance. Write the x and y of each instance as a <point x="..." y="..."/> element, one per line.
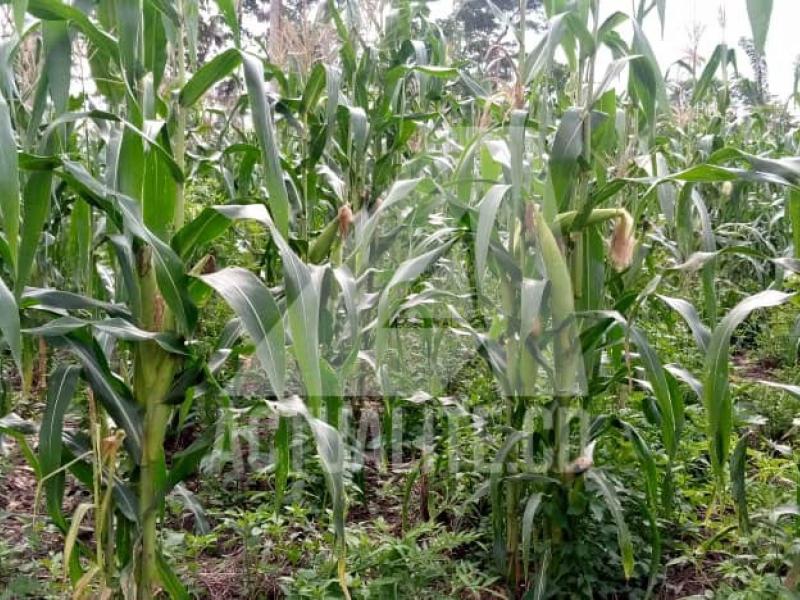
<point x="404" y="215"/>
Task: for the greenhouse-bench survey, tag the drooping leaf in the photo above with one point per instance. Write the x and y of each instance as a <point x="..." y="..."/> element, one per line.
<point x="212" y="72"/>
<point x="58" y="301"/>
<point x="112" y="392"/>
<point x="170" y="273"/>
<point x="261" y="317"/>
<point x="689" y="313"/>
<point x="55" y="10"/>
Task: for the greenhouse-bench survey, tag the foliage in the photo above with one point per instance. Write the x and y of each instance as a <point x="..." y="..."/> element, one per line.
<point x="503" y="302"/>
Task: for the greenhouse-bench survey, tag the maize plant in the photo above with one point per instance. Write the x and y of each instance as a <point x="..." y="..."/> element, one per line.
<point x="359" y="223"/>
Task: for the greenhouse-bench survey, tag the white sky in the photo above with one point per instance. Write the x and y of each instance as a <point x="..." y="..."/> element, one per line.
<point x="783" y="41"/>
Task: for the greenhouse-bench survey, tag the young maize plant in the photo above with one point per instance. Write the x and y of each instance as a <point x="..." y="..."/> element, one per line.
<point x="551" y="269"/>
<point x="135" y="181"/>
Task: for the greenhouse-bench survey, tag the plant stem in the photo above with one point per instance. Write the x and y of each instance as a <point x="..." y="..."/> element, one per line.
<point x="180" y="123"/>
<point x="153" y="373"/>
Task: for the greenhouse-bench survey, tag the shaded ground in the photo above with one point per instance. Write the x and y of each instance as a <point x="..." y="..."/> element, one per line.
<point x="689" y="579"/>
<point x="26" y="546"/>
<point x="222" y="573"/>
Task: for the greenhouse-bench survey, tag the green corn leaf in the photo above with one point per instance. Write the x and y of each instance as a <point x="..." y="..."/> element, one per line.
<point x="186" y="462"/>
<point x="79" y="445"/>
<point x="646" y="81"/>
<point x="408" y="271"/>
<point x="531" y="508"/>
<point x="58" y="62"/>
<point x="212" y="72"/>
<point x="262" y="122"/>
<point x="60" y="391"/>
<point x="18" y="428"/>
<point x="123" y="248"/>
<point x="496" y="474"/>
<point x="155" y="42"/>
<point x="159" y="190"/>
<point x="167" y="9"/>
<point x="684" y="376"/>
<point x="172" y="585"/>
<point x="172" y="281"/>
<point x="708" y="245"/>
<point x="302" y="283"/>
<point x="646" y="460"/>
<point x="80" y="243"/>
<point x="130" y="24"/>
<point x="228" y="10"/>
<point x="111" y="391"/>
<point x="567" y="147"/>
<point x="661" y="5"/>
<point x="213" y="222"/>
<point x="793" y="390"/>
<point x="759" y="13"/>
<point x="303" y="286"/>
<point x="648" y="464"/>
<point x="601" y="483"/>
<point x="115" y="327"/>
<point x="13" y="424"/>
<point x="260" y="316"/>
<point x="282" y="460"/>
<point x="540" y="59"/>
<point x="55" y="10"/>
<point x="487" y="215"/>
<point x="56" y="301"/>
<point x="131" y="166"/>
<point x="199" y="232"/>
<point x="613" y="71"/>
<point x="192" y="504"/>
<point x="10" y="324"/>
<point x="716" y="393"/>
<point x="320" y="249"/>
<point x="793" y="212"/>
<point x="704" y="83"/>
<point x="331" y="450"/>
<point x="155" y="139"/>
<point x="19" y="7"/>
<point x="9" y="182"/>
<point x="170" y="275"/>
<point x="400" y="190"/>
<point x="350" y="294"/>
<point x="658" y="379"/>
<point x="738" y="478"/>
<point x="35" y="210"/>
<point x="700" y="332"/>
